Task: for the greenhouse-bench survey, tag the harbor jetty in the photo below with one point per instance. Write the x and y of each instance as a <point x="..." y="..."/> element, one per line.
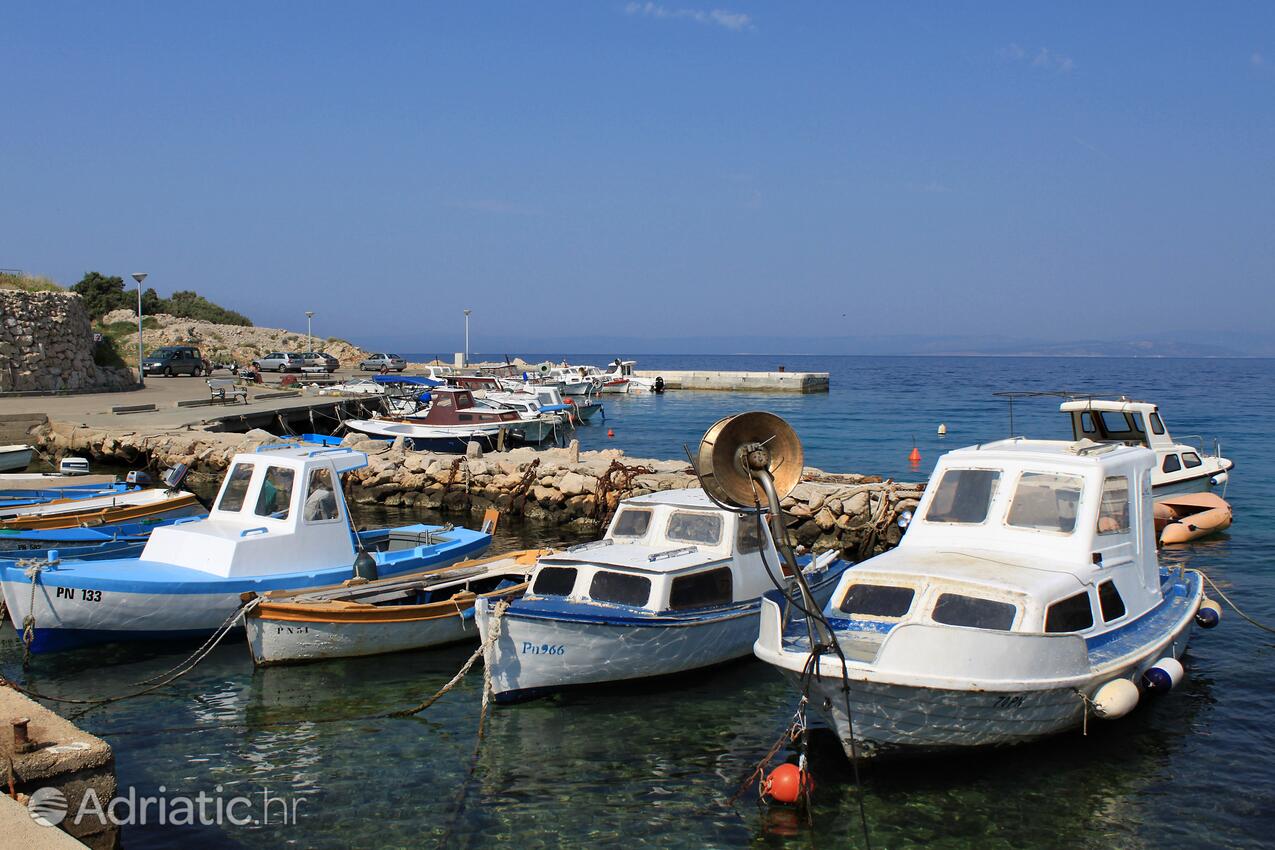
<point x="856" y="514"/>
<point x="780" y="381"/>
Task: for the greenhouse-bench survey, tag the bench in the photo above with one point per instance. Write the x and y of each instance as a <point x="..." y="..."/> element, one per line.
<point x="225" y="389"/>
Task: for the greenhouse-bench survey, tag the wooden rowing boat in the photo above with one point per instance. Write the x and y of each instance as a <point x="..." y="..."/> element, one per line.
<point x="131" y="506"/>
<point x="358" y="618"/>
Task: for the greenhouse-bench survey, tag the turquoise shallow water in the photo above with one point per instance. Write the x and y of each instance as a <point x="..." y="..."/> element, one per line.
<point x="653" y="764"/>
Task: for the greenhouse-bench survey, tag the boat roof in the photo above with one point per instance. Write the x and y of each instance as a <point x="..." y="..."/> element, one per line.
<point x="1033" y="574"/>
<point x="1067" y="453"/>
<point x="406" y="379"/>
<point x="688" y="497"/>
<point x="1121" y="405"/>
<point x="635" y="557"/>
<point x="342" y="458"/>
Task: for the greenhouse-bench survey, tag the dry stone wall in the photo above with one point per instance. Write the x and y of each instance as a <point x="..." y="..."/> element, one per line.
<point x="46" y="344"/>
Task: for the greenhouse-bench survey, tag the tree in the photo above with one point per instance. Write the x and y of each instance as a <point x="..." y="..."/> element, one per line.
<point x="101" y="294"/>
<point x="192" y="305"/>
<point x="152" y="303"/>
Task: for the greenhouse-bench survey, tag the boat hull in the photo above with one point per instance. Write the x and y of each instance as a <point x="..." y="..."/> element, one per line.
<point x="278" y="641"/>
<point x="892" y="716"/>
<point x="15" y="458"/>
<point x="537" y="654"/>
<point x="83" y="604"/>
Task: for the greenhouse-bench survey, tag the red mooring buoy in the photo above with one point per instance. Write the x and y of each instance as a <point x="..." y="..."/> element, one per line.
<point x="786" y="782"/>
<point x="915" y="456"/>
<point x="610" y="433"/>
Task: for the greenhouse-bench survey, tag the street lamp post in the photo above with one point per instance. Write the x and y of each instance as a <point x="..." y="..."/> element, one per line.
<point x="139" y="277"/>
<point x="467" y="312"/>
<point x="309" y="346"/>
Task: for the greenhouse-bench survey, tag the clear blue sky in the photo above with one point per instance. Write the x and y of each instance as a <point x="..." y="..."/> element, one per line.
<point x="1048" y="170"/>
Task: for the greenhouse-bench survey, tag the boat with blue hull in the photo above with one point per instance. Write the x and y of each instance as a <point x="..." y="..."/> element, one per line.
<point x="68" y="538"/>
<point x="675" y="585"/>
<point x="1025" y="596"/>
<point x="280" y="522"/>
<point x="449" y="424"/>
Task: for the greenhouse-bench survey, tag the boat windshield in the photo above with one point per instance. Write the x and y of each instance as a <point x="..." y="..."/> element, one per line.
<point x="963" y="496"/>
<point x="1045" y="501"/>
<point x="688" y="527"/>
<point x="232" y="498"/>
<point x="632" y="523"/>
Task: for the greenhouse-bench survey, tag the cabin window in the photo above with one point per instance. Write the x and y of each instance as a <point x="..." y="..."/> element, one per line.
<point x="1113" y="514"/>
<point x="320" y="498"/>
<point x="236" y="488"/>
<point x="1045" y="502"/>
<point x="953" y="609"/>
<point x="1110" y="602"/>
<point x="963" y="495"/>
<point x="632" y="523"/>
<point x="1115" y="423"/>
<point x="554" y="581"/>
<point x="687" y="527"/>
<point x="275" y="498"/>
<point x="698" y="590"/>
<point x="1190" y="460"/>
<point x="1157" y="426"/>
<point x="748" y="534"/>
<point x="443" y="401"/>
<point x="1171" y="464"/>
<point x="877" y="600"/>
<point x="1086" y="423"/>
<point x="620" y="588"/>
<point x="1073" y="614"/>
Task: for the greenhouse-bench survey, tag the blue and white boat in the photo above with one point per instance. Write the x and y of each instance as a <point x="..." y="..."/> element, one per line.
<point x="1025" y="596"/>
<point x="675" y="585"/>
<point x="70" y="538"/>
<point x="280" y="521"/>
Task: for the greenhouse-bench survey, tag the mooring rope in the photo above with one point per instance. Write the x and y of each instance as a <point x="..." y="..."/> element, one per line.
<point x="1234" y="607"/>
<point x="497" y="613"/>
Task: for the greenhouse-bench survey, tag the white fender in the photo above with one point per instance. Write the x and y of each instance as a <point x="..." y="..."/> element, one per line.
<point x="1115" y="699"/>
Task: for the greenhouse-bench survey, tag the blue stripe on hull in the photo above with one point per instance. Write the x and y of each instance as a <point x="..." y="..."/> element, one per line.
<point x="57" y="640"/>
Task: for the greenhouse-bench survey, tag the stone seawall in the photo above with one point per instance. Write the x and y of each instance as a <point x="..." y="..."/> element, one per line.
<point x="854" y="513"/>
<point x="46" y="344"/>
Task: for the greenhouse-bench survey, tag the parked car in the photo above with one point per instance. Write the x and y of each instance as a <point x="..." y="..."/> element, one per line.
<point x="280" y="361"/>
<point x="321" y="360"/>
<point x="175" y="360"/>
<point x="389" y="362"/>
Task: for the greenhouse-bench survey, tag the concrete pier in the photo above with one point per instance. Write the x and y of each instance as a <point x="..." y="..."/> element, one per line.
<point x="58" y="756"/>
<point x="773" y="382"/>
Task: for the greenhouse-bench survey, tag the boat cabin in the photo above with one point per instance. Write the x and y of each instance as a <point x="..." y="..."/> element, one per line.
<point x="456" y="406"/>
<point x="665" y="552"/>
<point x="1034" y="536"/>
<point x="1138" y="423"/>
<point x="621" y="369"/>
<point x="280" y="509"/>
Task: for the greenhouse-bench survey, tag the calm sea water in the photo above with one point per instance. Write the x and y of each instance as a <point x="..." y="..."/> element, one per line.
<point x="653" y="765"/>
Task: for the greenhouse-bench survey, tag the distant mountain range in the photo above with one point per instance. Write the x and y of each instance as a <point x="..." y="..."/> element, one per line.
<point x="1235" y="345"/>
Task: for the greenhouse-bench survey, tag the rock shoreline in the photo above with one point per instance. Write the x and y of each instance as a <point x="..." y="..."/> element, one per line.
<point x="856" y="514"/>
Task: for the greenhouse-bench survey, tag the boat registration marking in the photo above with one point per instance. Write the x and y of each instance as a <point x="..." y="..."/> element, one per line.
<point x="529" y="648"/>
<point x="1014" y="701"/>
<point x="85" y="594"/>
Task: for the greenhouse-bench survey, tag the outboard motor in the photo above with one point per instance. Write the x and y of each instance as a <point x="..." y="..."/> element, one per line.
<point x="137" y="478"/>
<point x="365" y="566"/>
<point x="659" y="386"/>
<point x="175" y="476"/>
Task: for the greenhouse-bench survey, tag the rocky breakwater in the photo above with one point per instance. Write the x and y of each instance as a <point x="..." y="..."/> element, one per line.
<point x="46" y="345"/>
<point x="856" y="514"/>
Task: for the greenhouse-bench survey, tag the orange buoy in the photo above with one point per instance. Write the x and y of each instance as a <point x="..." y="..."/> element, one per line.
<point x="786" y="784"/>
<point x="915" y="456"/>
<point x="610" y="433"/>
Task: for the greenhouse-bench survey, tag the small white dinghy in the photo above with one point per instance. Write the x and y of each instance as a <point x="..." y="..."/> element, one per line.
<point x="357" y="618"/>
<point x="1025" y="596"/>
<point x="15" y="457"/>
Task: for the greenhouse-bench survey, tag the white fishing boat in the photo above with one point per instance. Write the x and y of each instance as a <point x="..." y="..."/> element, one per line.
<point x="359" y="618"/>
<point x="1180" y="467"/>
<point x="450" y="422"/>
<point x="675" y="585"/>
<point x="15" y="457"/>
<point x="623" y="370"/>
<point x="573" y="382"/>
<point x="279" y="522"/>
<point x="539" y="422"/>
<point x="1025" y="596"/>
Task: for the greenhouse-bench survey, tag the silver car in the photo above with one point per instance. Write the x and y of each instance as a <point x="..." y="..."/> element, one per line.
<point x="280" y="361"/>
<point x="388" y="362"/>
